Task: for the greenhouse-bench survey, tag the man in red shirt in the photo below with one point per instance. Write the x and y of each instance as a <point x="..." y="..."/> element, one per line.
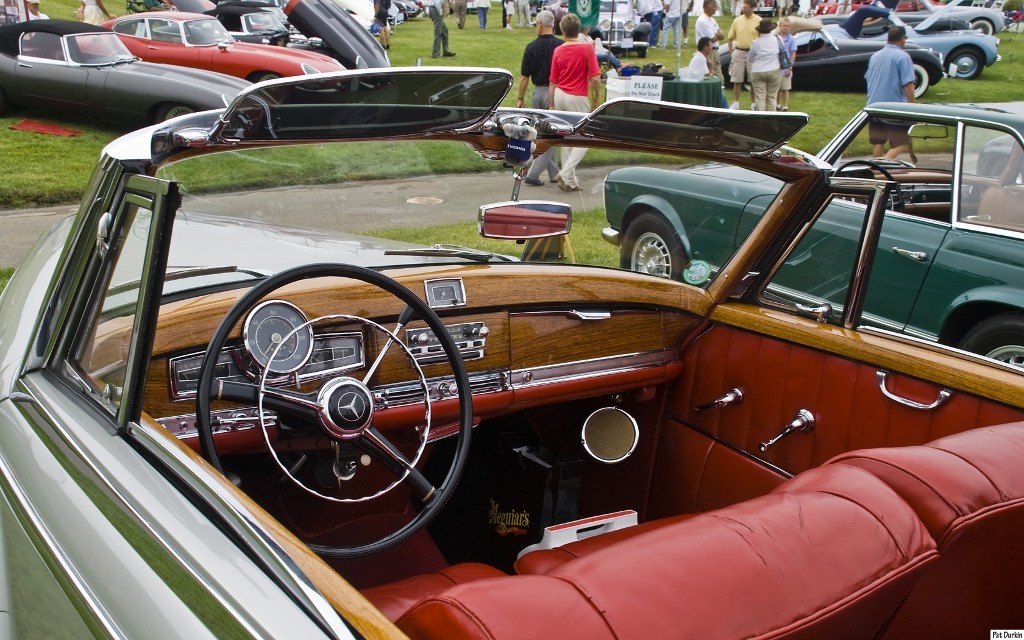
<point x="575" y="85"/>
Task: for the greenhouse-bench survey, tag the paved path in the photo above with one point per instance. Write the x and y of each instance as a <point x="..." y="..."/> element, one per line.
<point x="20" y="228"/>
<point x="317" y="206"/>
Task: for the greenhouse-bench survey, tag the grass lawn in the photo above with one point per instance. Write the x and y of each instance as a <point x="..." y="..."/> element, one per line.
<point x="41" y="169"/>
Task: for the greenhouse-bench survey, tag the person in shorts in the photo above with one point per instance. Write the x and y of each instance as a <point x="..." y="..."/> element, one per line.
<point x="741" y="35"/>
<point x="895" y="134"/>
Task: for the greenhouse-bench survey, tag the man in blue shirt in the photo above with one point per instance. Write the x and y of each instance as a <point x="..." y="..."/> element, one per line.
<point x="890" y="78"/>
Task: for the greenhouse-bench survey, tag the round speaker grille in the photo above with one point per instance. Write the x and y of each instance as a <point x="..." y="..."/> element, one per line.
<point x="610" y="434"/>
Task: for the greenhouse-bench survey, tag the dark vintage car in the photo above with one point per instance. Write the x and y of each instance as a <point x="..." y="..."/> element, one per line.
<point x="330" y="29"/>
<point x="951" y="264"/>
<point x="201" y="41"/>
<point x="310" y="367"/>
<point x="830" y="60"/>
<point x="72" y="67"/>
<point x="253" y="22"/>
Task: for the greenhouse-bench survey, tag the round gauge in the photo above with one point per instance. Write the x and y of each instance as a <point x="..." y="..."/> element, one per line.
<point x="270" y="328"/>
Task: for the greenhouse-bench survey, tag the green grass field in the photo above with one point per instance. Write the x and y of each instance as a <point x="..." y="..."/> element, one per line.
<point x="42" y="169"/>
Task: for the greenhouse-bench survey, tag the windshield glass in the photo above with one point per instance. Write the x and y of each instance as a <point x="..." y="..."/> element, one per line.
<point x="206" y="32"/>
<point x="97" y="48"/>
<point x="619" y="7"/>
<point x="369" y="203"/>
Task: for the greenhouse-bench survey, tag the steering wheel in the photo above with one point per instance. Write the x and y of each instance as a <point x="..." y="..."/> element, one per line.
<point x="343" y="408"/>
<point x="896" y="202"/>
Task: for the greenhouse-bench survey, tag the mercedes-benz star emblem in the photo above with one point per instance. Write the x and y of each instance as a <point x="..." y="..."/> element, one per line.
<point x="351" y="406"/>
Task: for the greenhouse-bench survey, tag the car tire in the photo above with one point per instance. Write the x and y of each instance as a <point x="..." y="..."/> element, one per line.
<point x="984" y="26"/>
<point x="968" y="63"/>
<point x="172" y="110"/>
<point x="1000" y="337"/>
<point x="4" y="104"/>
<point x="260" y="76"/>
<point x="642" y="52"/>
<point x="650" y="245"/>
<point x="921" y="80"/>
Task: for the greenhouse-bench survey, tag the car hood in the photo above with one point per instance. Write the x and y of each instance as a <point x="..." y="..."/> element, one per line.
<point x="277" y="53"/>
<point x="219" y="82"/>
<point x="355" y="47"/>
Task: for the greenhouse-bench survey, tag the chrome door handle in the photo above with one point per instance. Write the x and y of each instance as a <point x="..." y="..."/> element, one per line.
<point x="804" y="421"/>
<point x="821" y="313"/>
<point x="732" y="396"/>
<point x="943" y="395"/>
<point x="590" y="315"/>
<point x="919" y="256"/>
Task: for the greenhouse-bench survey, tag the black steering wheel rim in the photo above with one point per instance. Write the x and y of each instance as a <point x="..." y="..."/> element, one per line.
<point x="896" y="198"/>
<point x="439" y="497"/>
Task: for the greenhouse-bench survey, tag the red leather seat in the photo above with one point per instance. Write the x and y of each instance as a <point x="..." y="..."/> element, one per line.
<point x="545" y="560"/>
<point x="968" y="489"/>
<point x="396" y="598"/>
<point x="828" y="554"/>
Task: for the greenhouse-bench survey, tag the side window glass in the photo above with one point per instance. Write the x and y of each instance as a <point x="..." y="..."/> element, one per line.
<point x="102" y="357"/>
<point x="815" y="277"/>
<point x="165" y="31"/>
<point x="42" y="45"/>
<point x="992" y="191"/>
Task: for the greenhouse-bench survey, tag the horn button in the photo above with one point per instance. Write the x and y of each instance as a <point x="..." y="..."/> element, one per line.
<point x="346" y="408"/>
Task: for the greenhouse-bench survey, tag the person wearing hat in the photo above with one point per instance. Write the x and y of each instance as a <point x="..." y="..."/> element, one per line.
<point x="741" y="36"/>
<point x="33" y="11"/>
<point x="765" y="70"/>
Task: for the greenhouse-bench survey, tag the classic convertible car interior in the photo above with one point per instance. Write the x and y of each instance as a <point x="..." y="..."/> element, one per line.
<point x="332" y="309"/>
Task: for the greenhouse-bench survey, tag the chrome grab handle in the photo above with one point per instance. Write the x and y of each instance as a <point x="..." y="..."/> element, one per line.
<point x="590" y="315"/>
<point x="804" y="421"/>
<point x="943" y="395"/>
<point x="732" y="396"/>
<point x="920" y="256"/>
<point x="821" y="313"/>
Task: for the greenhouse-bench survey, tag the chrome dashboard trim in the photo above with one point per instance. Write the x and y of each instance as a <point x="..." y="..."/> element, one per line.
<point x="529" y="377"/>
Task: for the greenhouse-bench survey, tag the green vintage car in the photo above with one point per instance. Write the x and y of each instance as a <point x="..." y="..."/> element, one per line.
<point x="950" y="263"/>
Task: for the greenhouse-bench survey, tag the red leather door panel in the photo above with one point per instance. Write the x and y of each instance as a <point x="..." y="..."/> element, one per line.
<point x="778" y="378"/>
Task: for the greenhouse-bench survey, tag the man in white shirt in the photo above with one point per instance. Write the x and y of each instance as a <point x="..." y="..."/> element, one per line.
<point x="34" y="13"/>
<point x="707" y="27"/>
<point x="436" y="11"/>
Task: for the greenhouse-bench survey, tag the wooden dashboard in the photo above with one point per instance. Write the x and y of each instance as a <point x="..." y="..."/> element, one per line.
<point x="552" y="334"/>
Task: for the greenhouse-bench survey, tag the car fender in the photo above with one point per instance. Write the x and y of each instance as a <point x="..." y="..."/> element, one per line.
<point x="975" y="305"/>
<point x="661" y="206"/>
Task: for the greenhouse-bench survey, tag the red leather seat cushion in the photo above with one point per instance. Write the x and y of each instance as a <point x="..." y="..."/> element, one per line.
<point x="830" y="553"/>
<point x="545" y="560"/>
<point x="395" y="598"/>
<point x="968" y="490"/>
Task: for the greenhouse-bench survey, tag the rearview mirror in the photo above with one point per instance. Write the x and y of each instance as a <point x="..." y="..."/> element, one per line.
<point x="524" y="220"/>
<point x="929" y="131"/>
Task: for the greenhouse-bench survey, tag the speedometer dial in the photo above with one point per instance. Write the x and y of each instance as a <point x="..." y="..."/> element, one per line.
<point x="271" y="338"/>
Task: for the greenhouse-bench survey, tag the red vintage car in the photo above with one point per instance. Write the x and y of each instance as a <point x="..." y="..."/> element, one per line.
<point x="200" y="41"/>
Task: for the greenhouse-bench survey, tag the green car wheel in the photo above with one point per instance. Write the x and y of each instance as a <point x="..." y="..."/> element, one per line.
<point x="650" y="245"/>
<point x="1000" y="337"/>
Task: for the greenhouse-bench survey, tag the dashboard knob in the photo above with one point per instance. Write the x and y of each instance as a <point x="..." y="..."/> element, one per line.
<point x="447" y="389"/>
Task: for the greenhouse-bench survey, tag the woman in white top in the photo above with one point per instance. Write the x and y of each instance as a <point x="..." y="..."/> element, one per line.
<point x="764" y="67"/>
<point x="94" y="12"/>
